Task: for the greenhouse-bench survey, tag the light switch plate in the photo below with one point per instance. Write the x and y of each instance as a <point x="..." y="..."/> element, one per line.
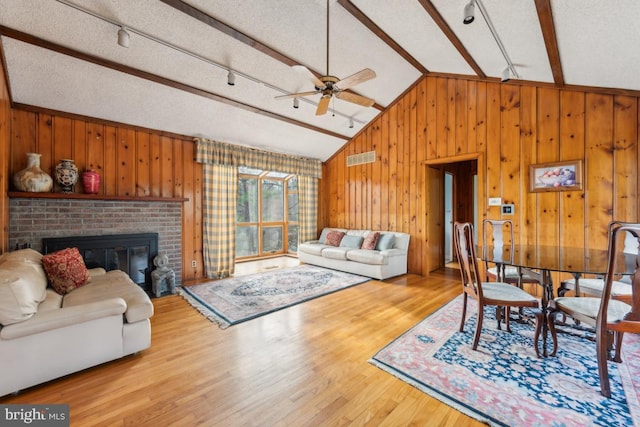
<point x="495" y="201"/>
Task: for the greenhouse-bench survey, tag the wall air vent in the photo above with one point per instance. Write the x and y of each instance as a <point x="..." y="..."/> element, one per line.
<point x="361" y="159"/>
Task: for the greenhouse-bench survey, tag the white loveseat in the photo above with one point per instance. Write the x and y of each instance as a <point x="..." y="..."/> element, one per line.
<point x="388" y="259"/>
<point x="45" y="335"/>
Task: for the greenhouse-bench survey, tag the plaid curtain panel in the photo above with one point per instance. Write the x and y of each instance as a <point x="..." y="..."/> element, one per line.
<point x="219" y="225"/>
<point x="307" y="208"/>
<point x="214" y="152"/>
<point x="220" y="193"/>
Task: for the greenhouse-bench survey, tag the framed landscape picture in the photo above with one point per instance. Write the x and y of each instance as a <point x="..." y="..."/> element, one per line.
<point x="558" y="176"/>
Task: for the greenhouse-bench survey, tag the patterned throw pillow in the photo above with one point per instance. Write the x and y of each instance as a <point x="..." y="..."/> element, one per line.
<point x="334" y="238"/>
<point x="65" y="270"/>
<point x="370" y="240"/>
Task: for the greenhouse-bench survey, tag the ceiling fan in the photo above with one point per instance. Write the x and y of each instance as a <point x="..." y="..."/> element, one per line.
<point x="330" y="86"/>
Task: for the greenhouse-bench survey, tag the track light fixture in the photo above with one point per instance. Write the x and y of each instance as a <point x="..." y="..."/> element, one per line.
<point x="468" y="18"/>
<point x="296" y="103"/>
<point x="506" y="75"/>
<point x="469" y="13"/>
<point x="123" y="37"/>
<point x="231" y="78"/>
<point x="350" y="123"/>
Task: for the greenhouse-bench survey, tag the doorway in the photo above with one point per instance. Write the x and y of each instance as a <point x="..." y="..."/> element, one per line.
<point x="453" y="191"/>
<point x="448" y="217"/>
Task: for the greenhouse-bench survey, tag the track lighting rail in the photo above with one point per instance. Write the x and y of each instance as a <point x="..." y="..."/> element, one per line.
<point x="233" y="73"/>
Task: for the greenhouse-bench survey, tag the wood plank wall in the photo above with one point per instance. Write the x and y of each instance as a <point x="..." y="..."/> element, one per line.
<point x="5" y="141"/>
<point x="131" y="162"/>
<point x="513" y="126"/>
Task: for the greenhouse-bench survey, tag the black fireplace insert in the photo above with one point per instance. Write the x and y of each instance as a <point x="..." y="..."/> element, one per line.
<point x="131" y="253"/>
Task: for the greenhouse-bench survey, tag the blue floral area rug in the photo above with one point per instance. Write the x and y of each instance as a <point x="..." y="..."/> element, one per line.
<point x="503" y="383"/>
<point x="238" y="299"/>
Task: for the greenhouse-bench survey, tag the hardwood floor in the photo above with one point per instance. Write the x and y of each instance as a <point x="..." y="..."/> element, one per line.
<point x="303" y="366"/>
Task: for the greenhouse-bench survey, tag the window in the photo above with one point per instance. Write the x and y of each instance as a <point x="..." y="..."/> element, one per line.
<point x="267" y="211"/>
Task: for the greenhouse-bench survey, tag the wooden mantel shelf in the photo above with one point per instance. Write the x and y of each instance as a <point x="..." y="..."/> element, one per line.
<point x="80" y="196"/>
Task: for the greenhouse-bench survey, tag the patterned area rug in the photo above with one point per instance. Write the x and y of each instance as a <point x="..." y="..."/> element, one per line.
<point x="504" y="383"/>
<point x="238" y="299"/>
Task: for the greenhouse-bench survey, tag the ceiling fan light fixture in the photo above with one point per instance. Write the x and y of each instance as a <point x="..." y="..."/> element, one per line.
<point x="469" y="13"/>
<point x="231" y="78"/>
<point x="330" y="87"/>
<point x="123" y="37"/>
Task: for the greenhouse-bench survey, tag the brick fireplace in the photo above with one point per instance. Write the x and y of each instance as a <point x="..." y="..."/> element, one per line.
<point x="32" y="219"/>
<point x="131" y="253"/>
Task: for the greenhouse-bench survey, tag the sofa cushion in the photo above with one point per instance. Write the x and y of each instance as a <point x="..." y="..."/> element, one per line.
<point x="351" y="242"/>
<point x="370" y="240"/>
<point x="312" y="248"/>
<point x="65" y="270"/>
<point x="336" y="253"/>
<point x="53" y="301"/>
<point x="333" y="238"/>
<point x="114" y="284"/>
<point x="385" y="241"/>
<point x="28" y="256"/>
<point x="367" y="256"/>
<point x="23" y="285"/>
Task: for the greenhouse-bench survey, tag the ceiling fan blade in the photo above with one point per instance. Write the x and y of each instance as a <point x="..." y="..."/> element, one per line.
<point x="297" y="95"/>
<point x="316" y="81"/>
<point x="356" y="99"/>
<point x="357" y="78"/>
<point x="323" y="105"/>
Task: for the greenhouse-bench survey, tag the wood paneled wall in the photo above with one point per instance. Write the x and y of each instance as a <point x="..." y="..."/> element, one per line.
<point x="512" y="126"/>
<point x="131" y="162"/>
<point x="5" y="178"/>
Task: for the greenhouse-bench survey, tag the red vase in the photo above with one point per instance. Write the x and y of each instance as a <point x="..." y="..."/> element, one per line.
<point x="91" y="182"/>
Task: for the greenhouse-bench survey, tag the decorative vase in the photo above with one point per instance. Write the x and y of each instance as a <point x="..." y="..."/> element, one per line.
<point x="32" y="178"/>
<point x="91" y="181"/>
<point x="66" y="175"/>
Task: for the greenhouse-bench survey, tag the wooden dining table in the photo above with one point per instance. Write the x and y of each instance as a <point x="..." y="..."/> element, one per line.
<point x="541" y="260"/>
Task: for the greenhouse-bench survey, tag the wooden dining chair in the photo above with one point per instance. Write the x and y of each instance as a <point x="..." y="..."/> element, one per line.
<point x="620" y="289"/>
<point x="494" y="234"/>
<point x="498" y="294"/>
<point x="494" y="237"/>
<point x="610" y="317"/>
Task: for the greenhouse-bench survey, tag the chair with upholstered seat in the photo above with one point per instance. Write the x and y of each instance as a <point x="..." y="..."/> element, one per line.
<point x="499" y="294"/>
<point x="494" y="234"/>
<point x="620" y="289"/>
<point x="611" y="317"/>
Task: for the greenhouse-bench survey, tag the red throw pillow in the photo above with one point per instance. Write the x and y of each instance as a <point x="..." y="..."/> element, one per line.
<point x="65" y="270"/>
<point x="334" y="238"/>
<point x="370" y="240"/>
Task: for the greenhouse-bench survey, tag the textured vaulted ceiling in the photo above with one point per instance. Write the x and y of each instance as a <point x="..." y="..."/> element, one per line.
<point x="63" y="55"/>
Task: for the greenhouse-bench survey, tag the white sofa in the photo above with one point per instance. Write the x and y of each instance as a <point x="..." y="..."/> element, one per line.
<point x="385" y="261"/>
<point x="45" y="335"/>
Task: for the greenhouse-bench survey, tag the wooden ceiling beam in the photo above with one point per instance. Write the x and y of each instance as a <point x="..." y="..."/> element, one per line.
<point x="455" y="41"/>
<point x="36" y="41"/>
<point x="545" y="16"/>
<point x="240" y="36"/>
